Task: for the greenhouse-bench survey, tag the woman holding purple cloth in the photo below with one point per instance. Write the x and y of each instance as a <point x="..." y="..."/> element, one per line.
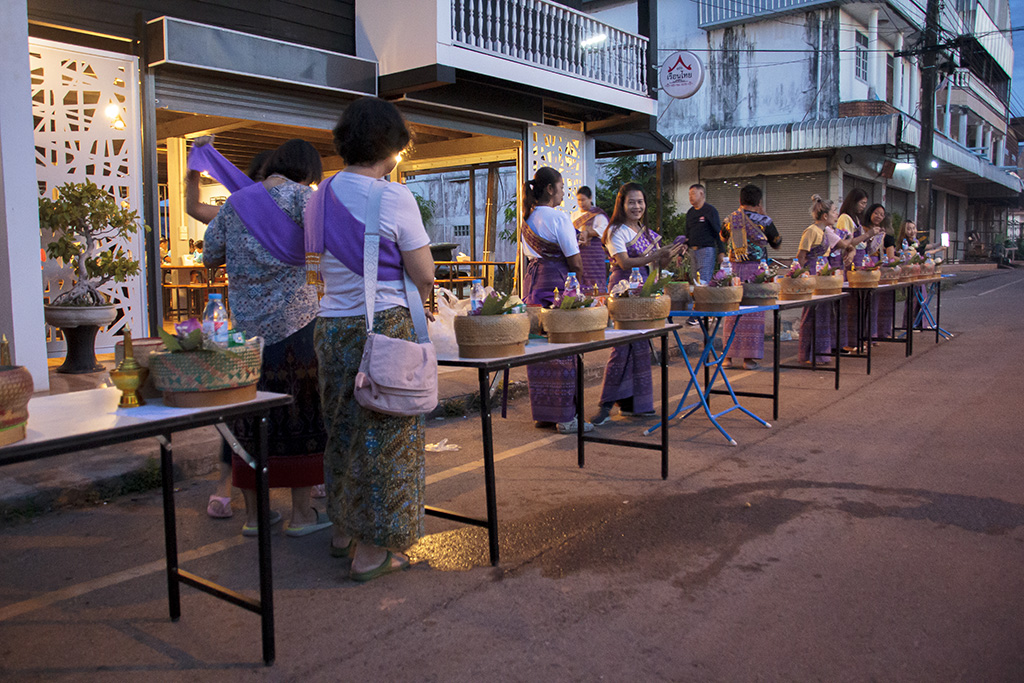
<point x="631" y="244"/>
<point x="552" y="251"/>
<point x="258" y="234"/>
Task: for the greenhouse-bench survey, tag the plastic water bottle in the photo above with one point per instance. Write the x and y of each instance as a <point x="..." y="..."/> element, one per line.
<point x="215" y="321"/>
<point x="794" y="266"/>
<point x="476" y="297"/>
<point x="636" y="281"/>
<point x="822" y="264"/>
<point x="726" y="266"/>
<point x="572" y="286"/>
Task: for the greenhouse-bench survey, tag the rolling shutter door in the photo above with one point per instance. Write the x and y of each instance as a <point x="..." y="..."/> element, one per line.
<point x="787" y="199"/>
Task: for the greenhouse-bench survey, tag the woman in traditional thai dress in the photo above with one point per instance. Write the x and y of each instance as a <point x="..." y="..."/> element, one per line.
<point x="375" y="462"/>
<point x="850" y="230"/>
<point x="258" y="233"/>
<point x="627" y="376"/>
<point x="817" y="242"/>
<point x="749" y="233"/>
<point x="907" y="240"/>
<point x="882" y="312"/>
<point x="590" y="223"/>
<point x="552" y="251"/>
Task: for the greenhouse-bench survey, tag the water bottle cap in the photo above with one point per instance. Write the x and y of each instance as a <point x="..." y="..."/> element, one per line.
<point x="636" y="267"/>
<point x="572" y="273"/>
<point x="476" y="282"/>
<point x="216" y="296"/>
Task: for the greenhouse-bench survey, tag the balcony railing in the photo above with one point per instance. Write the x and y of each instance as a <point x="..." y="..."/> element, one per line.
<point x="552" y="37"/>
<point x="720" y="13"/>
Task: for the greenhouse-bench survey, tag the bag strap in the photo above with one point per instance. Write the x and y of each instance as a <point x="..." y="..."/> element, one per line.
<point x="371" y="256"/>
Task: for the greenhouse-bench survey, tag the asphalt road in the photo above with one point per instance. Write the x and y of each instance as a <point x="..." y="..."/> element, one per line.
<point x="872" y="533"/>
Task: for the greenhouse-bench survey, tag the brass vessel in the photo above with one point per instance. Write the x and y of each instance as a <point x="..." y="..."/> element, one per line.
<point x="129" y="375"/>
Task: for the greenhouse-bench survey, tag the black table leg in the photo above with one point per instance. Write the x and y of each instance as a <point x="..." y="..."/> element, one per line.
<point x="869" y="297"/>
<point x="170" y="527"/>
<point x="263" y="541"/>
<point x="938" y="309"/>
<point x="664" y="408"/>
<point x="488" y="438"/>
<point x="776" y="358"/>
<point x="579" y="409"/>
<point x="911" y="315"/>
<point x="835" y="343"/>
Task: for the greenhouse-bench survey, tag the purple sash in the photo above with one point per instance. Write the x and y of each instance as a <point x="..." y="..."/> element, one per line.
<point x="206" y="158"/>
<point x="644" y="243"/>
<point x="330" y="225"/>
<point x="269" y="224"/>
<point x="546" y="249"/>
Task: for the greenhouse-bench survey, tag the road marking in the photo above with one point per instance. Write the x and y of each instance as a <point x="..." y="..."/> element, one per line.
<point x="47" y="599"/>
<point x="1015" y="282"/>
<point x="19" y="608"/>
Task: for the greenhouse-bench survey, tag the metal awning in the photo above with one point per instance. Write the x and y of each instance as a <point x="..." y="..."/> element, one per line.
<point x="631" y="142"/>
<point x="891" y="131"/>
<point x="181" y="43"/>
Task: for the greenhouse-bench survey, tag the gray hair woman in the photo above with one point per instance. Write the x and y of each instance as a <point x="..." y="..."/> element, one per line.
<point x="374" y="463"/>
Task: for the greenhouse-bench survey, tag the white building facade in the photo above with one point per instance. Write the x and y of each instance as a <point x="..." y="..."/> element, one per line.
<point x="807" y="97"/>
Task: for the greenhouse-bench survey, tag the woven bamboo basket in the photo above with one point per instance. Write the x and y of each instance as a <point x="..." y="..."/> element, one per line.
<point x="938" y="269"/>
<point x="760" y="293"/>
<point x="829" y="284"/>
<point x="910" y="271"/>
<point x="195" y="379"/>
<point x="639" y="312"/>
<point x="15" y="390"/>
<point x="717" y="299"/>
<point x="679" y="293"/>
<point x="888" y="275"/>
<point x="927" y="270"/>
<point x="862" y="279"/>
<point x="575" y="325"/>
<point x="797" y="288"/>
<point x="492" y="336"/>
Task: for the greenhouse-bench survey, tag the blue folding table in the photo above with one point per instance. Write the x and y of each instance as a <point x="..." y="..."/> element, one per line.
<point x="711" y="360"/>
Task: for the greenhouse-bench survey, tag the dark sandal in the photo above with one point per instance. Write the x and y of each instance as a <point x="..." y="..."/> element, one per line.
<point x="347" y="551"/>
<point x="385" y="568"/>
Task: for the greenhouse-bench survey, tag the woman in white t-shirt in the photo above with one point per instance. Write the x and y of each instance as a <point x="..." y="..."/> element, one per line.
<point x="374" y="462"/>
<point x="590" y="223"/>
<point x="552" y="251"/>
<point x="631" y="244"/>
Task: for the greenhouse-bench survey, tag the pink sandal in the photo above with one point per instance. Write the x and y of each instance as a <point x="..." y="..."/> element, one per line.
<point x="219" y="507"/>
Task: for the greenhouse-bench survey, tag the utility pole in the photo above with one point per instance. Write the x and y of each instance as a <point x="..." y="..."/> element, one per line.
<point x="928" y="55"/>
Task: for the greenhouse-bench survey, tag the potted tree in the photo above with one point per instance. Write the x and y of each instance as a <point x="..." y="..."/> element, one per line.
<point x="82" y="221"/>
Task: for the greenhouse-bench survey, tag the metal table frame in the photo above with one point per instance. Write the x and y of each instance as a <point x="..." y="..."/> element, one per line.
<point x="537" y="352"/>
<point x="932" y="289"/>
<point x="55" y="434"/>
<point x="815" y="302"/>
<point x="864" y="298"/>
<point x="716" y="363"/>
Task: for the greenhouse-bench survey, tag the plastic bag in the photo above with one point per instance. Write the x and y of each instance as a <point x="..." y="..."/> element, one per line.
<point x="442" y="327"/>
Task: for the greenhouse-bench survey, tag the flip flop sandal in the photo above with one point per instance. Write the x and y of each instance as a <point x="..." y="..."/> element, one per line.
<point x="320" y="524"/>
<point x="319" y="491"/>
<point x="219" y="507"/>
<point x="253" y="529"/>
<point x="385" y="568"/>
<point x="347" y="551"/>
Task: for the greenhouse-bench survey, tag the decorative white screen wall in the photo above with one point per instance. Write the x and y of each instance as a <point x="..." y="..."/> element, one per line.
<point x="79" y="137"/>
<point x="562" y="150"/>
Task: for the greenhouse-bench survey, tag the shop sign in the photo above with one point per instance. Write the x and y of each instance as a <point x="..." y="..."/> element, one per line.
<point x="681" y="75"/>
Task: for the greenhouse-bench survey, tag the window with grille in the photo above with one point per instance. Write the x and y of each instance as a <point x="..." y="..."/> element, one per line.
<point x="460" y="230"/>
<point x="861" y="63"/>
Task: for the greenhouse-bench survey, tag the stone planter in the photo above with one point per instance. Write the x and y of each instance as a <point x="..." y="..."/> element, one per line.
<point x="829" y="284"/>
<point x="863" y="279"/>
<point x="639" y="312"/>
<point x="760" y="293"/>
<point x="15" y="391"/>
<point x="797" y="288"/>
<point x="492" y="336"/>
<point x="575" y="325"/>
<point x="79" y="325"/>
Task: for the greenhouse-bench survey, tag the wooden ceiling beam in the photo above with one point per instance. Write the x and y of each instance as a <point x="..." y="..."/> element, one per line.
<point x="194" y="126"/>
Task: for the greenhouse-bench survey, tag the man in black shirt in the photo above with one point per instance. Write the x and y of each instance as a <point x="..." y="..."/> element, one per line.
<point x="702" y="233"/>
